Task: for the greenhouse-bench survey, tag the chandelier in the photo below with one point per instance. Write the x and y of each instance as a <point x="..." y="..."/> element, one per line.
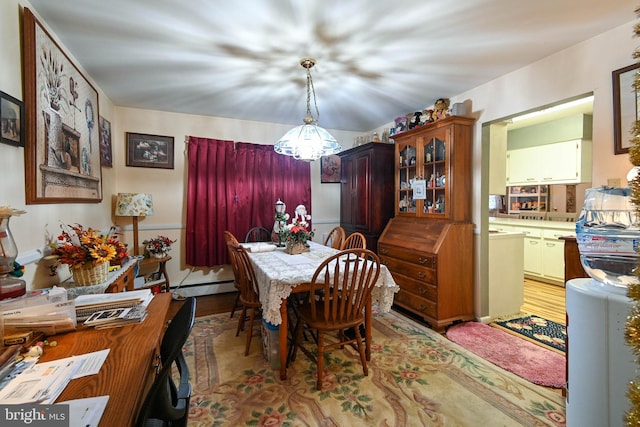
<point x="308" y="141"/>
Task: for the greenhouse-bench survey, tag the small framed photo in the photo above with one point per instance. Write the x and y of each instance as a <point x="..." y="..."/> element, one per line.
<point x="149" y="151"/>
<point x="11" y="120"/>
<point x="419" y="187"/>
<point x="626" y="106"/>
<point x="330" y="169"/>
<point x="106" y="159"/>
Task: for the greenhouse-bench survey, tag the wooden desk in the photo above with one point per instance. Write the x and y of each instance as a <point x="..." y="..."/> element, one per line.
<point x="128" y="371"/>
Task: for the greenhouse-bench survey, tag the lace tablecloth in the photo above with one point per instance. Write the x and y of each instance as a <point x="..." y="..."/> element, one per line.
<point x="278" y="273"/>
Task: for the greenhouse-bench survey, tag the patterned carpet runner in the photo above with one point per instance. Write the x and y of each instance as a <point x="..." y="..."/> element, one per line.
<point x="537" y="329"/>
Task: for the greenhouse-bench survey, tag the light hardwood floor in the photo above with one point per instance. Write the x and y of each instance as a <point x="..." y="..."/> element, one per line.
<point x="545" y="300"/>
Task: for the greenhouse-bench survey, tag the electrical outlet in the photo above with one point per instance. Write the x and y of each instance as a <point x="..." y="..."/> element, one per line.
<point x="613" y="182"/>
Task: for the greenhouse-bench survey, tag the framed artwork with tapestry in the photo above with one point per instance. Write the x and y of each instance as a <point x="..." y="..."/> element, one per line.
<point x="63" y="142"/>
<point x="11" y="120"/>
<point x="106" y="157"/>
<point x="149" y="151"/>
<point x="626" y="106"/>
<point x="330" y="169"/>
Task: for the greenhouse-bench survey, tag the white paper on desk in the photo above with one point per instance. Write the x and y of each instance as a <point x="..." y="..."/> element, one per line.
<point x="42" y="383"/>
<point x="91" y="363"/>
<point x="86" y="412"/>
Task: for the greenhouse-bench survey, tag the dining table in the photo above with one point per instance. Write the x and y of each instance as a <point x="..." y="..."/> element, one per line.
<point x="280" y="274"/>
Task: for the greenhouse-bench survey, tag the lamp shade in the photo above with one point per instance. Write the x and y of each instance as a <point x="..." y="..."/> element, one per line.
<point x="307" y="142"/>
<point x="134" y="204"/>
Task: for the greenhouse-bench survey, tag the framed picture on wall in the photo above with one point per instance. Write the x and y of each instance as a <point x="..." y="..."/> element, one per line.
<point x="330" y="169"/>
<point x="11" y="120"/>
<point x="626" y="105"/>
<point x="61" y="110"/>
<point x="106" y="159"/>
<point x="149" y="151"/>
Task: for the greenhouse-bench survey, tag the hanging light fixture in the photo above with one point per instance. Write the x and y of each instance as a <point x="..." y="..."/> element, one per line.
<point x="308" y="141"/>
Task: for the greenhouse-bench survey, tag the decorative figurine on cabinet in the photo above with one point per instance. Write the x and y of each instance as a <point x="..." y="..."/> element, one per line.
<point x="440" y="109"/>
<point x="401" y="124"/>
<point x="426" y="117"/>
<point x="415" y="119"/>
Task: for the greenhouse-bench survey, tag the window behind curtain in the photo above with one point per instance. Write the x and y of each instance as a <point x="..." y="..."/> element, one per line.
<point x="234" y="186"/>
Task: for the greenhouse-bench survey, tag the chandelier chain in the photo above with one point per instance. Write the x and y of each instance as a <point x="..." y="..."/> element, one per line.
<point x="311" y="91"/>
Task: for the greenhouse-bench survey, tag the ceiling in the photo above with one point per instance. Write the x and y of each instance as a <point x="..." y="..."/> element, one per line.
<point x="375" y="59"/>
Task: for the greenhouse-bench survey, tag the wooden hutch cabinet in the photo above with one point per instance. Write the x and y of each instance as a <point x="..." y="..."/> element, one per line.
<point x="366" y="190"/>
<point x="428" y="245"/>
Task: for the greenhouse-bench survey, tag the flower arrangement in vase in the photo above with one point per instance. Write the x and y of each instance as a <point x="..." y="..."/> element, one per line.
<point x="158" y="246"/>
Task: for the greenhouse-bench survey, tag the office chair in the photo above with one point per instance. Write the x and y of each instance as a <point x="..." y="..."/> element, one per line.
<point x="167" y="404"/>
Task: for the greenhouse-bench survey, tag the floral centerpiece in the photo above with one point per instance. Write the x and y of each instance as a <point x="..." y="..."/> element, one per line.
<point x="296" y="234"/>
<point x="158" y="246"/>
<point x="88" y="253"/>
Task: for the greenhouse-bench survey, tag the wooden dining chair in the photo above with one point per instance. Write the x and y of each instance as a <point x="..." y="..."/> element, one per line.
<point x="355" y="240"/>
<point x="258" y="234"/>
<point x="230" y="239"/>
<point x="249" y="293"/>
<point x="335" y="238"/>
<point x="338" y="294"/>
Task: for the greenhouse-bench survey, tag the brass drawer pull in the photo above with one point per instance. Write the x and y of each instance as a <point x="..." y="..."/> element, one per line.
<point x="422" y="291"/>
<point x="421" y="275"/>
<point x="423" y="261"/>
<point x="384" y="251"/>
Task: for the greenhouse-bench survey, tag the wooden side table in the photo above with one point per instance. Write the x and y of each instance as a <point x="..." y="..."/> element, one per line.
<point x="160" y="266"/>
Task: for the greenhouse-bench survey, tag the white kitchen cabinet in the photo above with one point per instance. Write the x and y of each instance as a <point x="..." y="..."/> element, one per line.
<point x="553" y="259"/>
<point x="567" y="162"/>
<point x="543" y="249"/>
<point x="532" y="251"/>
<point x="523" y="166"/>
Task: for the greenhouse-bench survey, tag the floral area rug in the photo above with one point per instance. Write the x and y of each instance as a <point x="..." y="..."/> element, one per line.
<point x="416" y="378"/>
<point x="537" y="329"/>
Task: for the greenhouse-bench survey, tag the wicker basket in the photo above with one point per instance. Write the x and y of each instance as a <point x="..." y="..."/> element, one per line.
<point x="295" y="248"/>
<point x="90" y="274"/>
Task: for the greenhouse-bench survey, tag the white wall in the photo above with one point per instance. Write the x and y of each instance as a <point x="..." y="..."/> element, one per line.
<point x="583" y="68"/>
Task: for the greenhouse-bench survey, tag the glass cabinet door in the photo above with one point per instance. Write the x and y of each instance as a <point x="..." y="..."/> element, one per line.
<point x="435" y="169"/>
<point x="406" y="173"/>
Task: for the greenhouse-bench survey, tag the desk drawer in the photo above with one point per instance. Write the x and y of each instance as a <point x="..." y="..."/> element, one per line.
<point x="421" y="289"/>
<point x="415" y="303"/>
<point x="413" y="271"/>
<point x="425" y="260"/>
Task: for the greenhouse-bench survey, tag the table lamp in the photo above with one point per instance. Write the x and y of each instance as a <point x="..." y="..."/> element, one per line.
<point x="134" y="205"/>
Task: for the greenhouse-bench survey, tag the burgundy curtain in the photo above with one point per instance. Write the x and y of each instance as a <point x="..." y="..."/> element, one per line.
<point x="234" y="186"/>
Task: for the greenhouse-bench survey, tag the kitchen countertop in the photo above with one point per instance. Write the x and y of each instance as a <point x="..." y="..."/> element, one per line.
<point x="570" y="227"/>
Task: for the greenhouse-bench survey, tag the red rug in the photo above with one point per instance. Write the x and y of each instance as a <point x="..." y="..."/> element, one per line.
<point x="525" y="359"/>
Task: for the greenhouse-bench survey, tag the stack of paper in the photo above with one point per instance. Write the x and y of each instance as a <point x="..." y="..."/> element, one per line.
<point x="117" y="317"/>
<point x="86" y="305"/>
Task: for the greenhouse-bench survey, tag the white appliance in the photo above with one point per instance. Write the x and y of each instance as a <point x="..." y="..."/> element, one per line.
<point x="600" y="363"/>
<point x="506" y="273"/>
